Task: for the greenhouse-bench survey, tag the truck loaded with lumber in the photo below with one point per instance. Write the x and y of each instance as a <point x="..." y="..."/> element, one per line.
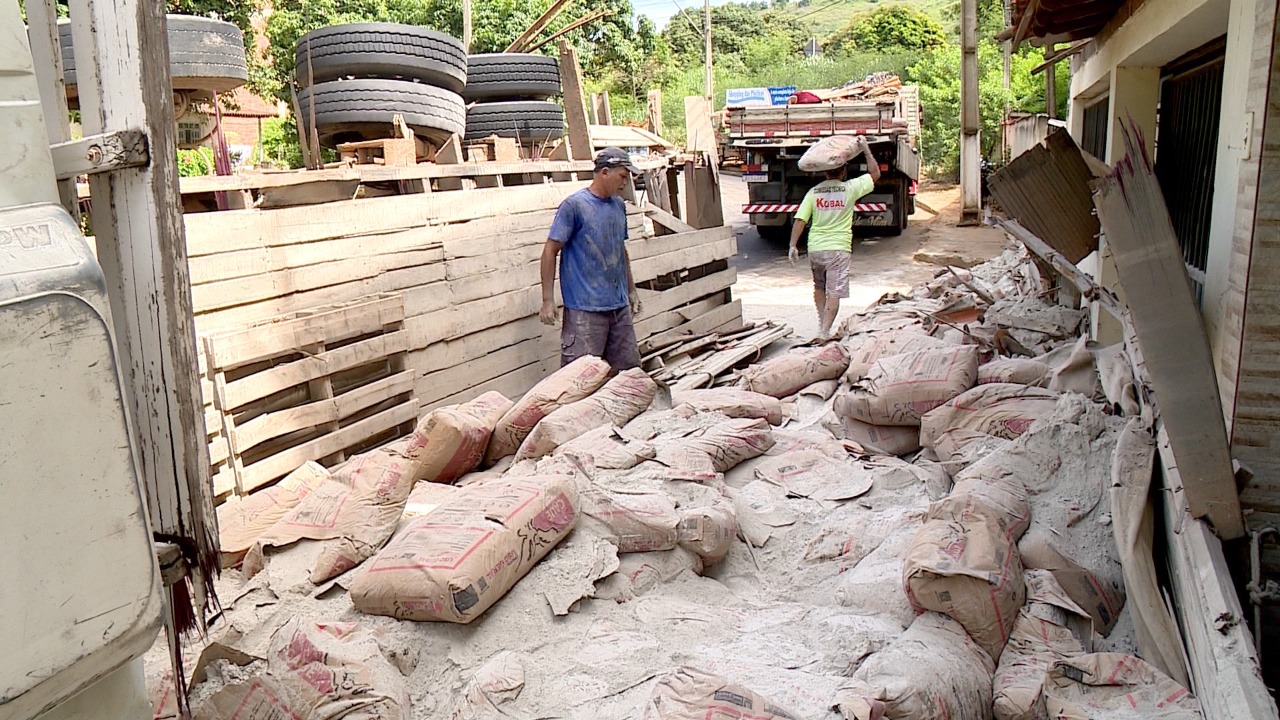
<point x="772" y="138"/>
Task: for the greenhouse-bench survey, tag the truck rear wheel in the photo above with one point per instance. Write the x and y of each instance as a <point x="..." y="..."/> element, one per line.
<point x="901" y="196"/>
<point x="774" y="233"/>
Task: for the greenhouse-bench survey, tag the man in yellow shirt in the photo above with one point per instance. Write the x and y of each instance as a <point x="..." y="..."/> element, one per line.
<point x="827" y="210"/>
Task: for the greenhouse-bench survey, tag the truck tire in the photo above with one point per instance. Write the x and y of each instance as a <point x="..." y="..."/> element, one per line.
<point x="900" y="199"/>
<point x="381" y="50"/>
<point x="511" y="76"/>
<point x="526" y="121"/>
<point x="204" y="54"/>
<point x="353" y="110"/>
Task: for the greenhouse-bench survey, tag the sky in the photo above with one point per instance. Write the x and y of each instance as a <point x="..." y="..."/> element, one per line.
<point x="660" y="11"/>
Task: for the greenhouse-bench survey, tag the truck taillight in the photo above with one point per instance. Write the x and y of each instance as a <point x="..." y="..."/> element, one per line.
<point x="884" y="167"/>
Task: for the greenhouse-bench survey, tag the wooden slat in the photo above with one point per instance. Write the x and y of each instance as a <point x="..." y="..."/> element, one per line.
<point x="374" y="173"/>
<point x="472" y="317"/>
<point x="705" y="323"/>
<point x="282" y="422"/>
<point x="266" y="341"/>
<point x="281" y="377"/>
<point x="283" y="463"/>
<point x="652" y="267"/>
<point x="442" y="355"/>
<point x="655" y="302"/>
<point x="253" y="261"/>
<point x="663" y="244"/>
<point x="676" y="317"/>
<point x="512" y="385"/>
<point x="436" y="386"/>
<point x="669" y="221"/>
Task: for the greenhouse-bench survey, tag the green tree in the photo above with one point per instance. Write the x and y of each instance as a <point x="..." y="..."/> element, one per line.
<point x="891" y="27"/>
<point x="733" y="28"/>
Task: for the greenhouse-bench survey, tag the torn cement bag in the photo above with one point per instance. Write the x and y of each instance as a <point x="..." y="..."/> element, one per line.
<point x="867" y="349"/>
<point x="425" y="497"/>
<point x="569" y="384"/>
<point x="795" y="370"/>
<point x="450" y="441"/>
<point x="455" y="562"/>
<point x="1049" y="628"/>
<point x="898" y="390"/>
<point x="816" y="475"/>
<point x="693" y="694"/>
<point x="318" y="671"/>
<point x="621" y="399"/>
<point x="708" y="531"/>
<point x="354" y="514"/>
<point x="638" y="573"/>
<point x="998" y="410"/>
<point x="830" y="153"/>
<point x="1019" y="371"/>
<point x="850" y="533"/>
<point x="964" y="562"/>
<point x="875" y="439"/>
<point x="718" y="448"/>
<point x="1101" y="594"/>
<point x="934" y="670"/>
<point x="609" y="449"/>
<point x="733" y="403"/>
<point x="1111" y="686"/>
<point x="651" y="423"/>
<point x="636" y="523"/>
<point x="241" y="521"/>
<point x="874" y="586"/>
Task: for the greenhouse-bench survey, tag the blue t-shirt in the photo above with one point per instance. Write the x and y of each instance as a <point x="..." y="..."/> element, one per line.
<point x="593" y="268"/>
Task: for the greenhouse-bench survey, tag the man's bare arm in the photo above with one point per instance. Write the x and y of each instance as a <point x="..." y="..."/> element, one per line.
<point x="873" y="165"/>
<point x="633" y="295"/>
<point x="550" y="251"/>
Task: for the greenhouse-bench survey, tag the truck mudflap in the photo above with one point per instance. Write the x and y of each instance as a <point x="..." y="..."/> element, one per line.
<point x="873" y="207"/>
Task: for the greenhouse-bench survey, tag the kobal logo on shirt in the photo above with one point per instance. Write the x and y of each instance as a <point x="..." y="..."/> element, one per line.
<point x="829" y="201"/>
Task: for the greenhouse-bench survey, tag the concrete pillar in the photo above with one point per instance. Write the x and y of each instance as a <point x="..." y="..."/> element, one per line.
<point x="970" y="148"/>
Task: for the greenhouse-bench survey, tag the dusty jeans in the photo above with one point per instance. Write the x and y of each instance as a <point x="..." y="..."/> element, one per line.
<point x="609" y="335"/>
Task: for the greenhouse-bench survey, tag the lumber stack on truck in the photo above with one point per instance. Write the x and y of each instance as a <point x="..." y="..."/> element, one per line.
<point x="461" y="268"/>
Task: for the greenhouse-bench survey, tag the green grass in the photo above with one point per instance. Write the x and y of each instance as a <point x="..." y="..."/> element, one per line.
<point x="827" y="16"/>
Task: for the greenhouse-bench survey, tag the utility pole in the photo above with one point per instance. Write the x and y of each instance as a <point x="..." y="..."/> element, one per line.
<point x="970" y="147"/>
<point x="706" y="36"/>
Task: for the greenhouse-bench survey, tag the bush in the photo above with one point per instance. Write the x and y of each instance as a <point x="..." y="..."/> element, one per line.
<point x="196" y="162"/>
<point x="279" y="143"/>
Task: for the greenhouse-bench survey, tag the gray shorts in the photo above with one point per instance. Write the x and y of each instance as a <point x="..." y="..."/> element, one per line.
<point x="609" y="335"/>
<point x="831" y="272"/>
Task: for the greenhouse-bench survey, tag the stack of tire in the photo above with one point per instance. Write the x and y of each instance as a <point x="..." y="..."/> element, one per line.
<point x="510" y="94"/>
<point x="356" y="78"/>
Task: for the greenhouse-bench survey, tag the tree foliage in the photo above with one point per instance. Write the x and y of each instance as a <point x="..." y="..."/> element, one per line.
<point x="888" y="28"/>
<point x="739" y="34"/>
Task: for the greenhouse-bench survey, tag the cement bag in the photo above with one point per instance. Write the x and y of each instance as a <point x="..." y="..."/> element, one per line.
<point x="795" y="370"/>
<point x="693" y="694"/>
<point x="425" y="497"/>
<point x="453" y="563"/>
<point x="875" y="439"/>
<point x="874" y="586"/>
<point x="621" y="399"/>
<point x="450" y="441"/>
<point x="733" y="403"/>
<point x="997" y="410"/>
<point x="318" y="671"/>
<point x="567" y="385"/>
<point x="816" y="475"/>
<point x="1048" y="629"/>
<point x="866" y="350"/>
<point x="933" y="671"/>
<point x="636" y="523"/>
<point x="242" y="521"/>
<point x="898" y="390"/>
<point x="1111" y="686"/>
<point x="708" y="531"/>
<point x="964" y="562"/>
<point x="718" y="448"/>
<point x="609" y="449"/>
<point x="638" y="573"/>
<point x="1016" y="371"/>
<point x="354" y="513"/>
<point x="830" y="153"/>
<point x="851" y="533"/>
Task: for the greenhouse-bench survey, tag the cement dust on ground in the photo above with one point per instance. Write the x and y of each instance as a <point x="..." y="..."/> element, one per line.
<point x="771" y="288"/>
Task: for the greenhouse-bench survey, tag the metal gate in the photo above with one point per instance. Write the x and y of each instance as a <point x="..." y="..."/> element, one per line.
<point x="1187" y="149"/>
<point x="1094" y="141"/>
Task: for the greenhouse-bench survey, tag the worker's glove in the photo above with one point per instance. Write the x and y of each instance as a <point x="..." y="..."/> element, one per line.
<point x="793" y="254"/>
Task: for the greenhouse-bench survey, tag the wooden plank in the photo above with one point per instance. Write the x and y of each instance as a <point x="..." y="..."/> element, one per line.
<point x="281" y="377"/>
<point x="436" y="386"/>
<point x="657" y="302"/>
<point x="472" y="317"/>
<point x="512" y="385"/>
<point x="325" y="325"/>
<point x="327" y="410"/>
<point x="254" y="261"/>
<point x="575" y="109"/>
<point x="667" y="220"/>
<point x="500" y="261"/>
<point x="660" y="244"/>
<point x="283" y="463"/>
<point x="702" y="324"/>
<point x="1171" y="335"/>
<point x="441" y="355"/>
<point x="1082" y="283"/>
<point x="676" y="317"/>
<point x="652" y="267"/>
<point x="371" y="174"/>
<point x="46" y="53"/>
<point x="486" y="285"/>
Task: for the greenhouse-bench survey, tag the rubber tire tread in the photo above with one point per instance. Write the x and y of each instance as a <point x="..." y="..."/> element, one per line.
<point x="382" y="50"/>
<point x="511" y="76"/>
<point x="527" y="121"/>
<point x="198" y="48"/>
<point x="378" y="101"/>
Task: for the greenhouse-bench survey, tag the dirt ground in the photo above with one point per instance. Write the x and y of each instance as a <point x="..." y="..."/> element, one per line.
<point x="771" y="288"/>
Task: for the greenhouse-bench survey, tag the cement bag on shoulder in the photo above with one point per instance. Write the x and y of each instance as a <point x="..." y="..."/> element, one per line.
<point x="450" y="441"/>
<point x="709" y="531"/>
<point x="609" y="449"/>
<point x="795" y="370"/>
<point x="830" y="153"/>
<point x="354" y="514"/>
<point x="636" y="523"/>
<point x="718" y="448"/>
<point x="733" y="403"/>
<point x="693" y="694"/>
<point x="1048" y="629"/>
<point x="638" y="573"/>
<point x="569" y="384"/>
<point x="875" y="439"/>
<point x="455" y="562"/>
<point x="1015" y="371"/>
<point x="899" y="390"/>
<point x="997" y="410"/>
<point x="865" y="350"/>
<point x="933" y="671"/>
<point x="621" y="399"/>
<point x="241" y="521"/>
<point x="1112" y="686"/>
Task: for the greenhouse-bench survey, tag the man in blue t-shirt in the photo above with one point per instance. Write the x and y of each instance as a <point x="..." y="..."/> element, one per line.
<point x="589" y="236"/>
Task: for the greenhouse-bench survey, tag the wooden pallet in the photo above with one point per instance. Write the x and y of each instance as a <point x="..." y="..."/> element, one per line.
<point x="312" y="385"/>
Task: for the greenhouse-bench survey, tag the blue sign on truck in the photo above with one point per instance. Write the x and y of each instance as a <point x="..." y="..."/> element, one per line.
<point x="780" y="95"/>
